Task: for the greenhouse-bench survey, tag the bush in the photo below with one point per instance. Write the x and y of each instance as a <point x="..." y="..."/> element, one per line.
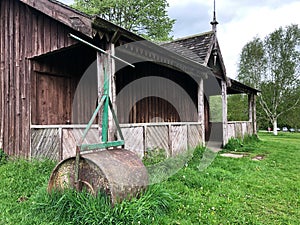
<point x="234" y="144"/>
<point x="3" y="157"/>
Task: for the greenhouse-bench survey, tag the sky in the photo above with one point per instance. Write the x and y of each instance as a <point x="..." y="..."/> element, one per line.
<point x="239" y="22"/>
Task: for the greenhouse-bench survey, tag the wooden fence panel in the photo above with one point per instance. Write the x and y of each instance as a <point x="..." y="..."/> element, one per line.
<point x="45" y="143"/>
<point x="134" y="139"/>
<point x="238" y="130"/>
<point x="244" y="129"/>
<point x="60" y="142"/>
<point x="194" y="136"/>
<point x="157" y="137"/>
<point x="179" y="139"/>
<point x="249" y="128"/>
<point x="71" y="137"/>
<point x="231" y="130"/>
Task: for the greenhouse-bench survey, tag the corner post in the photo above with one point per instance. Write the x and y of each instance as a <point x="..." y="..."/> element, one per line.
<point x="254" y="114"/>
<point x="112" y="130"/>
<point x="224" y="111"/>
<point x="250" y="107"/>
<point x="201" y="109"/>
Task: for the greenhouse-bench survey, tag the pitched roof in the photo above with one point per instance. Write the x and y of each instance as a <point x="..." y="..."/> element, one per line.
<point x="196" y="47"/>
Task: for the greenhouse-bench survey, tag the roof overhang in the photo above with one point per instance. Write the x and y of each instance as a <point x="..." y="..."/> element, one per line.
<point x="237" y="87"/>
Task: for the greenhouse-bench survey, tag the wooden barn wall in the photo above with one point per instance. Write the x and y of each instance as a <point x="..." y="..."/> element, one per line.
<point x="54" y="86"/>
<point x="24" y="33"/>
<point x="151" y="93"/>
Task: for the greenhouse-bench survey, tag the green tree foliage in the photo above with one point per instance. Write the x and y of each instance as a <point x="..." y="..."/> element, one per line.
<point x="292" y="117"/>
<point x="237" y="108"/>
<point x="272" y="65"/>
<point x="215" y="108"/>
<point x="145" y="17"/>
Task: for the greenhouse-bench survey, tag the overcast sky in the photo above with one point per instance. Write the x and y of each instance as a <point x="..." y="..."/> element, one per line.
<point x="239" y="21"/>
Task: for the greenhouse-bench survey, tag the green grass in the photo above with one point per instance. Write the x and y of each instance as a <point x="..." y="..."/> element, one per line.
<point x="229" y="191"/>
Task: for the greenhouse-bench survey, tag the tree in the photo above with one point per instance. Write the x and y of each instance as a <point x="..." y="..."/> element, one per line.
<point x="145" y="17"/>
<point x="292" y="117"/>
<point x="272" y="66"/>
<point x="237" y="107"/>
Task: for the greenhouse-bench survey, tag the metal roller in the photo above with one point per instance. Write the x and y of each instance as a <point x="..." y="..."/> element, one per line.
<point x="118" y="173"/>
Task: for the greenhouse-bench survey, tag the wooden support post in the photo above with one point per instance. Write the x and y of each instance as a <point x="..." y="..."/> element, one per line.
<point x="224" y="111"/>
<point x="250" y="108"/>
<point x="112" y="134"/>
<point x="100" y="79"/>
<point x="201" y="109"/>
<point x="254" y="114"/>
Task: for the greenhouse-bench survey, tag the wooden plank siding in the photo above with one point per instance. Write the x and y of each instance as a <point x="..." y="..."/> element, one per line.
<point x="238" y="129"/>
<point x="25" y="33"/>
<point x="59" y="141"/>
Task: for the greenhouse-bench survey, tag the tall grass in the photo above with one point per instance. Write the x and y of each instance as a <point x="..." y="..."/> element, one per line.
<point x="73" y="207"/>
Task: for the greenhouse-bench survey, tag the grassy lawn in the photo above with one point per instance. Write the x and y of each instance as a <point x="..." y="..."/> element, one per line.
<point x="229" y="191"/>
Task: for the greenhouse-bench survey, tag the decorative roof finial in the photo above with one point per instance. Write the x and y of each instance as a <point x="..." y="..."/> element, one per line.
<point x="214" y="23"/>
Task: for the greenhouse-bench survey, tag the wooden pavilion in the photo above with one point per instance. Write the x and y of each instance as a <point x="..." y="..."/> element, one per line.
<point x="47" y="97"/>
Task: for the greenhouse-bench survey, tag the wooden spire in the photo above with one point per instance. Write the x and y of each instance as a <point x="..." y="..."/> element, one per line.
<point x="214" y="23"/>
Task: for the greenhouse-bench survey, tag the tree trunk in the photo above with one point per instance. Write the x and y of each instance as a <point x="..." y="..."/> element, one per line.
<point x="275" y="132"/>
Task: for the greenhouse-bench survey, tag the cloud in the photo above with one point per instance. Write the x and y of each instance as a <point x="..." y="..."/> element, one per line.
<point x="188" y="20"/>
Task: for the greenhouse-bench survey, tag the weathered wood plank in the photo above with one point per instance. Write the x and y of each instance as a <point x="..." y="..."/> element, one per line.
<point x="45" y="144"/>
<point x="157" y="138"/>
<point x="11" y="86"/>
<point x="134" y="140"/>
<point x="18" y="122"/>
<point x="179" y="139"/>
<point x="195" y="136"/>
<point x="2" y="71"/>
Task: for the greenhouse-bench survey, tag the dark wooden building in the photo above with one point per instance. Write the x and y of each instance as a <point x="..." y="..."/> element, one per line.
<point x="47" y="96"/>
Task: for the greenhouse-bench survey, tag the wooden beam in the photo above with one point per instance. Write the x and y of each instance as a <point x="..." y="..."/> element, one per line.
<point x="64" y="14"/>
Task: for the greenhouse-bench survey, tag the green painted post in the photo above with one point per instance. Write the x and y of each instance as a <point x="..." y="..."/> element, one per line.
<point x="105" y="108"/>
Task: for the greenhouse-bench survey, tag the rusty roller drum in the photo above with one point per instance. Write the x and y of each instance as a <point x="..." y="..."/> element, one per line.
<point x="119" y="173"/>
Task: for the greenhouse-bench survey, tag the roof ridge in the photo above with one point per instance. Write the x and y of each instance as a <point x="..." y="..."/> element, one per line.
<point x="69" y="7"/>
<point x="189" y="37"/>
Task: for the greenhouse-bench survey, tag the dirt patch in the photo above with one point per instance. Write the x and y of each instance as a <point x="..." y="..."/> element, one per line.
<point x="232" y="155"/>
<point x="258" y="157"/>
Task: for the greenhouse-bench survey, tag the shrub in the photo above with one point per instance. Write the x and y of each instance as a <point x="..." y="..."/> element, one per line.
<point x="234" y="144"/>
<point x="3" y="157"/>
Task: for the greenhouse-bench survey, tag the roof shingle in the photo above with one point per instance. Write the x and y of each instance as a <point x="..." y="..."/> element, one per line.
<point x="194" y="47"/>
